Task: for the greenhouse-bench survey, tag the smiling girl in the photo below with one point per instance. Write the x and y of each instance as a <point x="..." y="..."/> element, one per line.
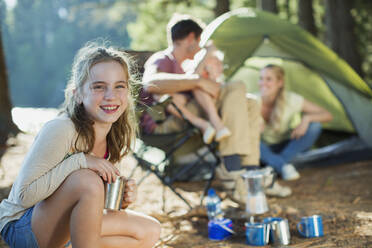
<point x="59" y="193"/>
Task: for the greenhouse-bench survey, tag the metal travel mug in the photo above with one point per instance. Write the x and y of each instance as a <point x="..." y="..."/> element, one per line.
<point x="256" y="202"/>
<point x="311" y="226"/>
<point x="257" y="234"/>
<point x="114" y="194"/>
<point x="279" y="232"/>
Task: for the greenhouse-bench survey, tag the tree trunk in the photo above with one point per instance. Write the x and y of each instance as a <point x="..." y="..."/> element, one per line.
<point x="306" y="16"/>
<point x="6" y="124"/>
<point x="222" y="6"/>
<point x="268" y="5"/>
<point x="287" y="9"/>
<point x="340" y="32"/>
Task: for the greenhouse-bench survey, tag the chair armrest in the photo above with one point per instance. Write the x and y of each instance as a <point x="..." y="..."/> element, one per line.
<point x="157" y="111"/>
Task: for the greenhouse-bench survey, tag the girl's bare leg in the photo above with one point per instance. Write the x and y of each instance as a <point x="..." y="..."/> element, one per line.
<point x="76" y="207"/>
<point x="209" y="106"/>
<point x="181" y="104"/>
<point x="129" y="229"/>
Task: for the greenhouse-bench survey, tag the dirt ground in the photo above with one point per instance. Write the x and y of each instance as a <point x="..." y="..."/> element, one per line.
<point x="342" y="194"/>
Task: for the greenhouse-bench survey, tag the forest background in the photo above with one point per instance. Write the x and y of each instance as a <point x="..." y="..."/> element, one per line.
<point x="40" y="37"/>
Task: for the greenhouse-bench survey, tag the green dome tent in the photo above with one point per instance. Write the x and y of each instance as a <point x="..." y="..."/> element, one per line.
<point x="250" y="39"/>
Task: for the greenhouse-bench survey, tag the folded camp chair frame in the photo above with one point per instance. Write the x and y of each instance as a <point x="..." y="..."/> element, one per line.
<point x="169" y="144"/>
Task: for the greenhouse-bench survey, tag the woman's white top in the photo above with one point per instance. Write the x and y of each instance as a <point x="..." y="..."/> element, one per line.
<point x="290" y="118"/>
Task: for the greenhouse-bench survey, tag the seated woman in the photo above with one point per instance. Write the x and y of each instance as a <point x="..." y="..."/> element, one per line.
<point x="59" y="193"/>
<point x="211" y="68"/>
<point x="281" y="137"/>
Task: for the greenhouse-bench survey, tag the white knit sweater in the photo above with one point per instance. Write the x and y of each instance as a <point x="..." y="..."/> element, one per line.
<point x="47" y="164"/>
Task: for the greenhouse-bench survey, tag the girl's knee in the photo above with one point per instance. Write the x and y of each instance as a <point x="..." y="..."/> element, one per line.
<point x="155" y="227"/>
<point x="86" y="181"/>
<point x="196" y="91"/>
<point x="153" y="230"/>
<point x="147" y="231"/>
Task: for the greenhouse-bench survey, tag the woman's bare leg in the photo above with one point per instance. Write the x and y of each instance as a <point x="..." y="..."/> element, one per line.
<point x="209" y="106"/>
<point x="76" y="207"/>
<point x="129" y="229"/>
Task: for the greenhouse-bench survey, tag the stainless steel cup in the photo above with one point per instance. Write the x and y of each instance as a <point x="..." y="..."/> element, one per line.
<point x="114" y="194"/>
<point x="257" y="234"/>
<point x="279" y="232"/>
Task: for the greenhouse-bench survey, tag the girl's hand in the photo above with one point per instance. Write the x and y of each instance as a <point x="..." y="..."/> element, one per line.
<point x="102" y="167"/>
<point x="130" y="194"/>
<point x="301" y="129"/>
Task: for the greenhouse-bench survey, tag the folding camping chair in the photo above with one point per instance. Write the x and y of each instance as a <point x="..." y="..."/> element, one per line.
<point x="170" y="144"/>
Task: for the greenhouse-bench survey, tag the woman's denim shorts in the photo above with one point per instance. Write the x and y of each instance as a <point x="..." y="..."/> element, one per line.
<point x="18" y="233"/>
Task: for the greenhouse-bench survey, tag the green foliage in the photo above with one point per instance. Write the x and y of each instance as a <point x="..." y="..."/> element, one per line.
<point x="363" y="19"/>
<point x="149" y="30"/>
<point x="243" y="3"/>
<point x="41" y="38"/>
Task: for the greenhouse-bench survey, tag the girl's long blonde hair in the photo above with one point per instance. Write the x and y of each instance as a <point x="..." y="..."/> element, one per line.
<point x="124" y="130"/>
<point x="279" y="105"/>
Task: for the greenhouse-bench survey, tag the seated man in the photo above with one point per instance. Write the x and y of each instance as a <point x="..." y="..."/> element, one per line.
<point x="164" y="75"/>
<point x="210" y="67"/>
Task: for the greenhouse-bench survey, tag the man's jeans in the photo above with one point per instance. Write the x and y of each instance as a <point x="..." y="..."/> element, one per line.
<point x="280" y="154"/>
